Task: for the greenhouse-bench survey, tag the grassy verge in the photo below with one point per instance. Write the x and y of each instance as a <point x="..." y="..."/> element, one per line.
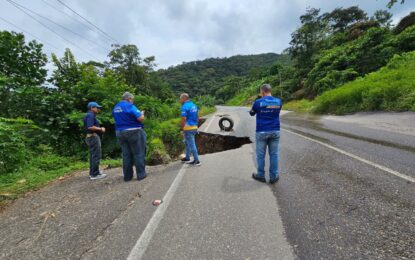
<point x="38" y="172"/>
<point x="247" y="95"/>
<point x="302" y="106"/>
<point x="392" y="88"/>
<point x="206" y="111"/>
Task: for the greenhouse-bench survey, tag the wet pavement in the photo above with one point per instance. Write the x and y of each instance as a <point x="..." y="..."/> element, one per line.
<point x="334" y="206"/>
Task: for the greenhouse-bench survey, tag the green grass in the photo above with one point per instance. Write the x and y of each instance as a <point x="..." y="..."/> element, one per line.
<point x="247" y="95"/>
<point x="302" y="106"/>
<point x="392" y="88"/>
<point x="206" y="111"/>
<point x="40" y="171"/>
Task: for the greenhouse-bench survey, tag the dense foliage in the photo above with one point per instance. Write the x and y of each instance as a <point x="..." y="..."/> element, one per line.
<point x="56" y="107"/>
<point x="392" y="88"/>
<point x="210" y="76"/>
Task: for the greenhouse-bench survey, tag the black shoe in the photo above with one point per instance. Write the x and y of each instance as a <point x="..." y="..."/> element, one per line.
<point x="261" y="179"/>
<point x="274" y="180"/>
<point x="195" y="163"/>
<point x="184" y="160"/>
<point x="142" y="178"/>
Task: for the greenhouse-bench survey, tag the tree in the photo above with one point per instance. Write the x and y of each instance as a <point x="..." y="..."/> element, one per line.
<point x="404" y="23"/>
<point x="67" y="72"/>
<point x="383" y="17"/>
<point x="341" y="18"/>
<point x="393" y="2"/>
<point x="23" y="64"/>
<point x="306" y="39"/>
<point x="126" y="61"/>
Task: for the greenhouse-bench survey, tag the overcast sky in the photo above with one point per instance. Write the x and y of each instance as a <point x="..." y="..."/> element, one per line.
<point x="173" y="31"/>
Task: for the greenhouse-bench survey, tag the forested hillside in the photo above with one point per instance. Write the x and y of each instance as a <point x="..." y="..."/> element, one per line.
<point x="207" y="76"/>
<point x="331" y="49"/>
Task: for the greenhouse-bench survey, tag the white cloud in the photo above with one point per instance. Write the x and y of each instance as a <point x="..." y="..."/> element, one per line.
<point x="180" y="30"/>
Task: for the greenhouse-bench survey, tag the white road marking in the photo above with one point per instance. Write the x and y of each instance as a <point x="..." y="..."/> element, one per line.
<point x="210" y="122"/>
<point x="386" y="169"/>
<point x="142" y="243"/>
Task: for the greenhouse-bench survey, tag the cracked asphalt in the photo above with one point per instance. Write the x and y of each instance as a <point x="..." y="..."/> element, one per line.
<point x="326" y="206"/>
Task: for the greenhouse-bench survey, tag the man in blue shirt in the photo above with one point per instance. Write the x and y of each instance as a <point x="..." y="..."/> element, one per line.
<point x="92" y="128"/>
<point x="130" y="131"/>
<point x="188" y="125"/>
<point x="267" y="110"/>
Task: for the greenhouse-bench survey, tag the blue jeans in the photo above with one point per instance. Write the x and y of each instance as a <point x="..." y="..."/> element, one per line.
<point x="270" y="140"/>
<point x="189" y="139"/>
<point x="133" y="146"/>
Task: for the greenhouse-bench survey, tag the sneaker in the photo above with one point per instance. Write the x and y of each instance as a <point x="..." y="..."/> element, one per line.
<point x="274" y="180"/>
<point x="184" y="160"/>
<point x="255" y="177"/>
<point x="142" y="178"/>
<point x="97" y="177"/>
<point x="195" y="163"/>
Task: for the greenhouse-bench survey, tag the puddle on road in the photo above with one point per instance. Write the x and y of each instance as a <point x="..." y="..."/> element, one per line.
<point x="213" y="143"/>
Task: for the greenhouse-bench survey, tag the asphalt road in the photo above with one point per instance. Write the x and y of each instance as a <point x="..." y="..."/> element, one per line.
<point x="346" y="191"/>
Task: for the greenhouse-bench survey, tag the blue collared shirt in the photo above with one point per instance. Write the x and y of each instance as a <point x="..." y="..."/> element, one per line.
<point x="190" y="111"/>
<point x="126" y="116"/>
<point x="90" y="120"/>
<point x="267" y="111"/>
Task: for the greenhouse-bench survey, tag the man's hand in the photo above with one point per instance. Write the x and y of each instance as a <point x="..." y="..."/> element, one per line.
<point x="102" y="129"/>
<point x="142" y="117"/>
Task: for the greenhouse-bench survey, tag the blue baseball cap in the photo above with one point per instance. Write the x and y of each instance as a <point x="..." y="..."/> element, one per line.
<point x="93" y="104"/>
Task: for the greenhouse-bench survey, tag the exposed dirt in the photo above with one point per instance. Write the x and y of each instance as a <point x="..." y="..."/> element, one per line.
<point x="213" y="143"/>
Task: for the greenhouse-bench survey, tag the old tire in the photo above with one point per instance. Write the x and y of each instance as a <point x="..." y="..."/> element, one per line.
<point x="226" y="124"/>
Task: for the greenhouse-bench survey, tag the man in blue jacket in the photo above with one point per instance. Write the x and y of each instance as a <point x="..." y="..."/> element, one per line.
<point x="267" y="110"/>
<point x="92" y="129"/>
<point x="189" y="125"/>
<point x="130" y="130"/>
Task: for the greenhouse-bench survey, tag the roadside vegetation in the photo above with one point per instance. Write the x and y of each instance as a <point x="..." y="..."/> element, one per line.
<point x="343" y="61"/>
<point x="392" y="88"/>
<point x="41" y="118"/>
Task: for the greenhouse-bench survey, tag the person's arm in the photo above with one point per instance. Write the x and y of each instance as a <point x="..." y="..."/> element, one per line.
<point x="91" y="126"/>
<point x="184" y="118"/>
<point x="138" y="114"/>
<point x="252" y="112"/>
<point x="141" y="118"/>
<point x="182" y="123"/>
<point x="96" y="129"/>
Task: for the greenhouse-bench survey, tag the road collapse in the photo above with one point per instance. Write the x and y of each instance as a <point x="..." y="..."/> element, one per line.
<point x="213" y="143"/>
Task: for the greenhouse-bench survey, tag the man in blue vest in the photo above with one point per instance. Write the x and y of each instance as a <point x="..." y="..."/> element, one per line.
<point x="267" y="110"/>
<point x="92" y="128"/>
<point x="189" y="125"/>
<point x="130" y="130"/>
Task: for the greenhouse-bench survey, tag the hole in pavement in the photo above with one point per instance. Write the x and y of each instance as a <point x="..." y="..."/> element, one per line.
<point x="213" y="143"/>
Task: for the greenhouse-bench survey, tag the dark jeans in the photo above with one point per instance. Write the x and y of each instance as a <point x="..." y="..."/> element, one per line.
<point x="133" y="146"/>
<point x="94" y="145"/>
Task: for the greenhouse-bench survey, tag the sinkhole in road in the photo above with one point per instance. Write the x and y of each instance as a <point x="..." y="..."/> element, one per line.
<point x="213" y="143"/>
